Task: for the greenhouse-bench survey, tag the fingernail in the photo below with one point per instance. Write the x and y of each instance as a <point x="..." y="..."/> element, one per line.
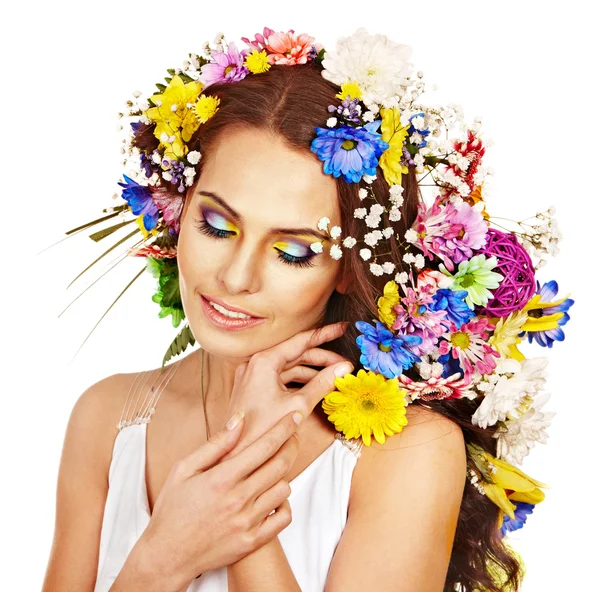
<point x="297" y="417"/>
<point x="234" y="420"/>
<point x="342" y="369"/>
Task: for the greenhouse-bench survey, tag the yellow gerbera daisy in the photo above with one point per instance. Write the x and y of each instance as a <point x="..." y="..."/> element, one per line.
<point x="257" y="61"/>
<point x="390" y="298"/>
<point x="206" y="107"/>
<point x="366" y="404"/>
<point x="350" y="88"/>
<point x="394" y="134"/>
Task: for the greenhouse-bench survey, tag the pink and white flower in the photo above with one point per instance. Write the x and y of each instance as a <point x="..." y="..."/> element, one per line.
<point x="468" y="346"/>
<point x="436" y="388"/>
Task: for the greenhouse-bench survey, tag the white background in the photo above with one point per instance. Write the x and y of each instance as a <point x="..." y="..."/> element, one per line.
<point x="527" y="68"/>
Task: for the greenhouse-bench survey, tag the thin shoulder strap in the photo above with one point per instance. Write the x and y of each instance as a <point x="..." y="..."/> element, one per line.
<point x="355" y="445"/>
<point x="144" y="393"/>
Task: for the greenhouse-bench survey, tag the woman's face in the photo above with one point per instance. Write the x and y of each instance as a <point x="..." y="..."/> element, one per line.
<point x="245" y="240"/>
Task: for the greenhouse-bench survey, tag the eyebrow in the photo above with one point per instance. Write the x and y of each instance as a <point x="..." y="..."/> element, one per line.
<point x="238" y="217"/>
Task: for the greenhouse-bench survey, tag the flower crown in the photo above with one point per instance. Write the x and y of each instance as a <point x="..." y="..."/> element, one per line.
<point x="467" y="296"/>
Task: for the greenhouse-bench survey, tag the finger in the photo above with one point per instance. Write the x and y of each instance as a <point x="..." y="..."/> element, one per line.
<point x="244" y="463"/>
<point x="317" y="356"/>
<point x="283" y="353"/>
<point x="270" y="500"/>
<point x="301" y="374"/>
<point x="272" y="525"/>
<point x="213" y="450"/>
<point x="273" y="471"/>
<point x="323" y="383"/>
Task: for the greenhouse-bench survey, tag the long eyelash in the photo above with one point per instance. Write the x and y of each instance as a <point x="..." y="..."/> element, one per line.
<point x="204" y="227"/>
<point x="297" y="261"/>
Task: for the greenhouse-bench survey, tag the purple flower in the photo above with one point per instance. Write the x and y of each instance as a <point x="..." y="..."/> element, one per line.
<point x="546" y="294"/>
<point x="522" y="511"/>
<point x="226" y="67"/>
<point x="349" y="151"/>
<point x="139" y="199"/>
<point x="384" y="352"/>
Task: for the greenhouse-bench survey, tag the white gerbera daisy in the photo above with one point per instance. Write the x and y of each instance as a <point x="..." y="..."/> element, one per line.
<point x="379" y="66"/>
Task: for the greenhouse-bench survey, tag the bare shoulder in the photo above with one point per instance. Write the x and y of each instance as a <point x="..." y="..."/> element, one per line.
<point x="430" y="449"/>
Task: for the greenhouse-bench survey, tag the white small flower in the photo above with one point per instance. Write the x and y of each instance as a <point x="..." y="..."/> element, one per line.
<point x="194" y="157"/>
<point x="419" y="261"/>
<point x="166" y="176"/>
<point x="373" y="221"/>
<point x="396" y="190"/>
<point x="376" y="210"/>
<point x="362" y="193"/>
<point x="335" y="232"/>
<point x="365" y="254"/>
<point x="323" y="223"/>
<point x="418" y="122"/>
<point x="369" y="178"/>
<point x="164" y="137"/>
<point x="360" y="213"/>
<point x="394" y="214"/>
<point x="388" y="267"/>
<point x="189" y="181"/>
<point x="189" y="171"/>
<point x="411" y="235"/>
<point x="373" y="237"/>
<point x="376" y="269"/>
<point x="349" y="242"/>
<point x="137" y="94"/>
<point x="174" y="107"/>
<point x="368" y="116"/>
<point x="158" y="102"/>
<point x="388" y="232"/>
<point x="317" y="247"/>
<point x="332" y="122"/>
<point x="156" y="158"/>
<point x="408" y="258"/>
<point x="335" y="252"/>
<point x="401" y="278"/>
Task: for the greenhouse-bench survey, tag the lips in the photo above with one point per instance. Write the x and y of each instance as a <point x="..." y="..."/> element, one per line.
<point x="228" y="323"/>
<point x="231" y="308"/>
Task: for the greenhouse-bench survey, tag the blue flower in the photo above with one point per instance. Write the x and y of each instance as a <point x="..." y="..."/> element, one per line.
<point x="450" y="366"/>
<point x="384" y="352"/>
<point x="544" y="295"/>
<point x="453" y="302"/>
<point x="412" y="129"/>
<point x="349" y="151"/>
<point x="139" y="199"/>
<point x="522" y="511"/>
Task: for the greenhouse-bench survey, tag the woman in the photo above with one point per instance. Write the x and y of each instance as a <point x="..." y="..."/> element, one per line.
<point x="206" y="508"/>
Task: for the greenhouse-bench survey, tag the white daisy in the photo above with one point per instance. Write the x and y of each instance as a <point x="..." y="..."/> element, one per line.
<point x="379" y="66"/>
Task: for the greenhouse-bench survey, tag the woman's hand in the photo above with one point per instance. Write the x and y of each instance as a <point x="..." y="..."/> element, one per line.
<point x="210" y="515"/>
<point x="260" y="384"/>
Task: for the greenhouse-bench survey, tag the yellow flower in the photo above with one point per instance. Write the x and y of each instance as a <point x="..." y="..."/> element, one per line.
<point x="394" y="134"/>
<point x="173" y="115"/>
<point x="508" y="484"/>
<point x="506" y="334"/>
<point x="390" y="298"/>
<point x="543" y="322"/>
<point x="257" y="62"/>
<point x="475" y="197"/>
<point x="366" y="404"/>
<point x="206" y="107"/>
<point x="350" y="88"/>
<point x="140" y="222"/>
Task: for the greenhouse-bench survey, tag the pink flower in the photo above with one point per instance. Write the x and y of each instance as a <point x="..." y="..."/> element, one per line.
<point x="449" y="231"/>
<point x="225" y="67"/>
<point x="289" y="48"/>
<point x="260" y="42"/>
<point x="436" y="388"/>
<point x="468" y="346"/>
<point x="415" y="318"/>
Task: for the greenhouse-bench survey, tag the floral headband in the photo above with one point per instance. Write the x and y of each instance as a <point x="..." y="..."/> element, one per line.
<point x="466" y="299"/>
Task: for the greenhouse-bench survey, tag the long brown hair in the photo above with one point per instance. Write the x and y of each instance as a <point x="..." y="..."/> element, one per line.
<point x="291" y="102"/>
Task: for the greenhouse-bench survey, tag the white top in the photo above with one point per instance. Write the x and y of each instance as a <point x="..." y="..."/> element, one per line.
<point x="319" y="504"/>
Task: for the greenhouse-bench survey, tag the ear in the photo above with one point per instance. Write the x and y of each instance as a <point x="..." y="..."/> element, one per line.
<point x="342" y="286"/>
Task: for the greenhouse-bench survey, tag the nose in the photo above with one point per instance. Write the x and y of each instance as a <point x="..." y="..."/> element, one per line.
<point x="239" y="271"/>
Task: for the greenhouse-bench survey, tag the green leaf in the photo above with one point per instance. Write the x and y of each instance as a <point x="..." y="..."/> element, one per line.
<point x="161" y="87"/>
<point x="179" y="344"/>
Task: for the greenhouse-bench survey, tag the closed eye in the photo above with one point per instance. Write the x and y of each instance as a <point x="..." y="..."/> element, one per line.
<point x="218" y="233"/>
